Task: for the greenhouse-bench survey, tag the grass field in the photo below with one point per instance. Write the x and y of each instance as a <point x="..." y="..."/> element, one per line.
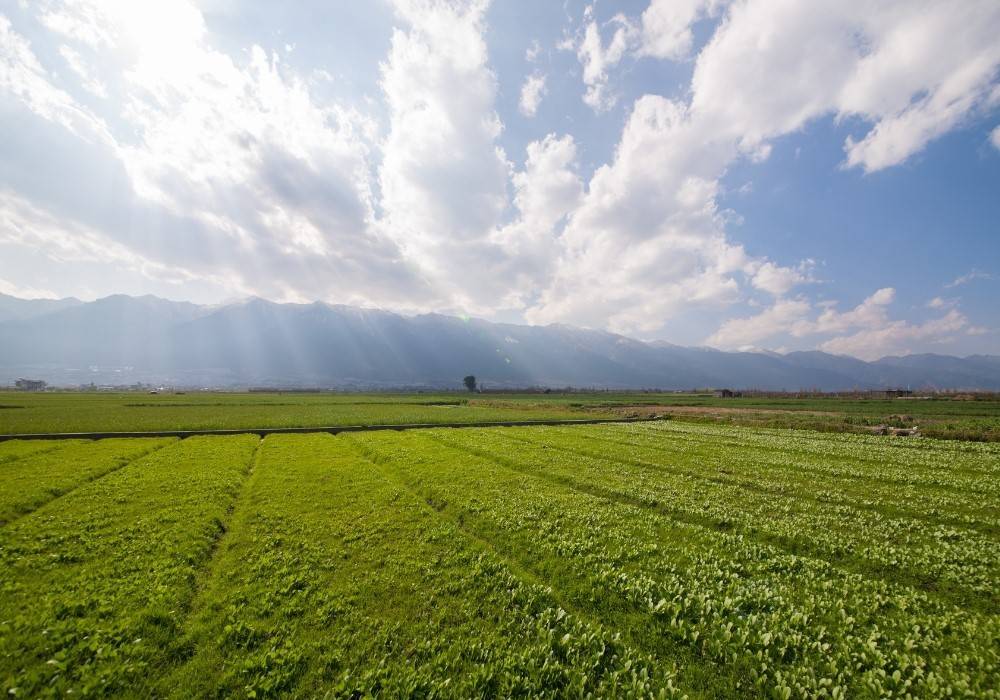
<point x="659" y="559"/>
<point x="51" y="412"/>
<point x="92" y="412"/>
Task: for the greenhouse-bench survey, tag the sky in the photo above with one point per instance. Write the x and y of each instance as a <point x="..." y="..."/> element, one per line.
<point x="741" y="174"/>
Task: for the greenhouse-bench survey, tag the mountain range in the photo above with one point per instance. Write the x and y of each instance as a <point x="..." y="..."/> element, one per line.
<point x="123" y="340"/>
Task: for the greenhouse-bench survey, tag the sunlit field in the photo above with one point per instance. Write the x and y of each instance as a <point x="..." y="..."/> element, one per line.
<point x="55" y="412"/>
<point x="90" y="412"/>
<point x="661" y="559"/>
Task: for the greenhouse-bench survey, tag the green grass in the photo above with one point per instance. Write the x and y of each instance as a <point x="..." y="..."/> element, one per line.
<point x="91" y="412"/>
<point x="338" y="580"/>
<point x="631" y="560"/>
<point x="24" y="413"/>
<point x="37" y="478"/>
<point x="94" y="585"/>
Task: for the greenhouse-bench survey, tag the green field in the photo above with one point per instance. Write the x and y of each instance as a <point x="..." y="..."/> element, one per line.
<point x="661" y="559"/>
<point x="68" y="412"/>
<point x="53" y="412"/>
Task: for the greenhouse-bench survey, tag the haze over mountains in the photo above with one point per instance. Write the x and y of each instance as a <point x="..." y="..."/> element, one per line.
<point x="122" y="340"/>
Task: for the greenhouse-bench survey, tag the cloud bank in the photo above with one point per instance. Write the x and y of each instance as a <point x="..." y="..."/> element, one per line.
<point x="234" y="172"/>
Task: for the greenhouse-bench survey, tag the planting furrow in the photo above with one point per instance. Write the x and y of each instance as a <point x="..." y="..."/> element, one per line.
<point x="846" y="471"/>
<point x="336" y="582"/>
<point x="776" y="623"/>
<point x="775" y="477"/>
<point x="33" y="482"/>
<point x="13" y="450"/>
<point x="611" y="489"/>
<point x="93" y="587"/>
<point x="914" y="460"/>
<point x="959" y="566"/>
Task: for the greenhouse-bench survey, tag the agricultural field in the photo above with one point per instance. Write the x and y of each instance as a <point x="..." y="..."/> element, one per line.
<point x="51" y="412"/>
<point x="657" y="559"/>
<point x="70" y="412"/>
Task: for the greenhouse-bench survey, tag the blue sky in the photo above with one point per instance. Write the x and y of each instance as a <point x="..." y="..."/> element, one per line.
<point x="741" y="174"/>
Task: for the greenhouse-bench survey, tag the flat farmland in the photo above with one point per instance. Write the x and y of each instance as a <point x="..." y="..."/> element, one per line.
<point x="659" y="559"/>
<point x="53" y="412"/>
<point x="69" y="412"/>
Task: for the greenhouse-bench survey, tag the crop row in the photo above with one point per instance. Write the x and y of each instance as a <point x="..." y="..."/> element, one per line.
<point x="788" y="625"/>
<point x="13" y="450"/>
<point x="94" y="585"/>
<point x="963" y="562"/>
<point x="806" y="476"/>
<point x="900" y="459"/>
<point x="36" y="478"/>
<point x="889" y="486"/>
<point x="334" y="580"/>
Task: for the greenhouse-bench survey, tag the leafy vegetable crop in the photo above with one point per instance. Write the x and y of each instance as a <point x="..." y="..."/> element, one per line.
<point x="629" y="560"/>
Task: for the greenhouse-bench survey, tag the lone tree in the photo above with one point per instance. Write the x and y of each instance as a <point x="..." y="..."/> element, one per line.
<point x="470" y="382"/>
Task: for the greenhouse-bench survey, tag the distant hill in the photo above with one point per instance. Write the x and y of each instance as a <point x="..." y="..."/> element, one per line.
<point x="122" y="339"/>
<point x="14" y="309"/>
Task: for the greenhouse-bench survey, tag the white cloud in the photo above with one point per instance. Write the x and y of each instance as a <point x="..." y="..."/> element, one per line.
<point x="778" y="280"/>
<point x="646" y="239"/>
<point x="968" y="277"/>
<point x="940" y="303"/>
<point x="262" y="180"/>
<point x="22" y="292"/>
<point x="532" y="93"/>
<point x="24" y="224"/>
<point x="896" y="337"/>
<point x="22" y="75"/>
<point x="866" y="331"/>
<point x="666" y="26"/>
<point x="849" y="59"/>
<point x="533" y="51"/>
<point x="546" y="191"/>
<point x="443" y="176"/>
<point x="86" y="73"/>
<point x="597" y="59"/>
<point x="870" y="313"/>
<point x="776" y="319"/>
<point x="995" y="137"/>
<point x="653" y="209"/>
<point x="548" y="188"/>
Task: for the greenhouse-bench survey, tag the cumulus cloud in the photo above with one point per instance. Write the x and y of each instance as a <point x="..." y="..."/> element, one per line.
<point x="598" y="59"/>
<point x="666" y="26"/>
<point x="532" y="93"/>
<point x="406" y="198"/>
<point x="781" y="317"/>
<point x="277" y="184"/>
<point x="778" y="280"/>
<point x="653" y="209"/>
<point x="870" y="313"/>
<point x="648" y="228"/>
<point x="866" y="331"/>
<point x="849" y="59"/>
<point x="443" y="175"/>
<point x="941" y="303"/>
<point x="896" y="337"/>
<point x="545" y="192"/>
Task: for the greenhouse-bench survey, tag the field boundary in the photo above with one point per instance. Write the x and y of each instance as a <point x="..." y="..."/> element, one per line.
<point x="332" y="429"/>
